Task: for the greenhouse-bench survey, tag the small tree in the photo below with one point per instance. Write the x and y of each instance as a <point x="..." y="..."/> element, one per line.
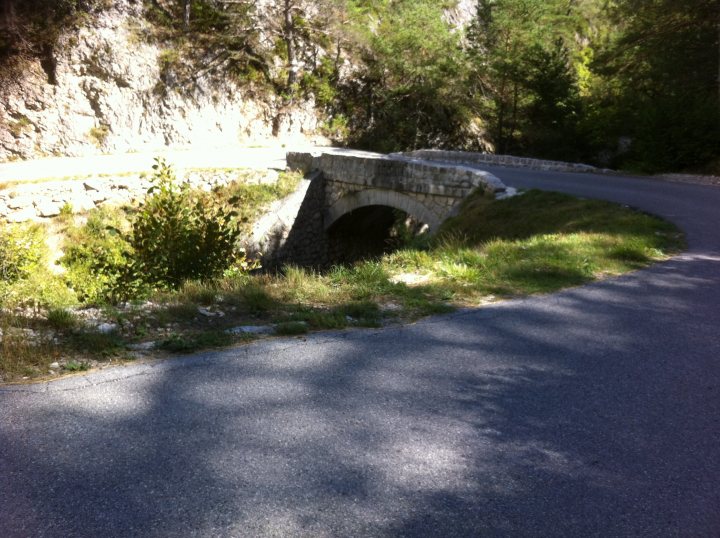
<point x="179" y="235"/>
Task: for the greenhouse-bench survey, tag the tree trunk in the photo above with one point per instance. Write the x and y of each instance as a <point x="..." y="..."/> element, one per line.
<point x="513" y="121"/>
<point x="500" y="148"/>
<point x="186" y="14"/>
<point x="289" y="38"/>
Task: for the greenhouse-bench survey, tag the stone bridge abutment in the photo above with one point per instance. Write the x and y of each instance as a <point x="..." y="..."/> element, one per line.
<point x="344" y="182"/>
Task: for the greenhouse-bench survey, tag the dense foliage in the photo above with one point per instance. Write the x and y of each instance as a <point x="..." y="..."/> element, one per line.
<point x="630" y="83"/>
<point x="25" y="278"/>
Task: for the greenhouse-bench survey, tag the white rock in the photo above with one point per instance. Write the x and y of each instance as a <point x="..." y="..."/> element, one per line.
<point x="509" y="193"/>
<point x="20" y="202"/>
<point x="210" y="313"/>
<point x="252" y="329"/>
<point x="142" y="346"/>
<point x="81" y="202"/>
<point x="55" y="365"/>
<point x="107" y="328"/>
<point x="94" y="185"/>
<point x="46" y="208"/>
<point x="390" y="307"/>
<point x="22" y="215"/>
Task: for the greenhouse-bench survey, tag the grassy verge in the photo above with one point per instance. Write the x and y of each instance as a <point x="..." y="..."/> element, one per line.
<point x="535" y="243"/>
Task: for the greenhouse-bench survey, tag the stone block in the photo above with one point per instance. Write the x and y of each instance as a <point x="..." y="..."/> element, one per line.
<point x="81" y="202"/>
<point x="20" y="202"/>
<point x="47" y="208"/>
<point x="22" y="215"/>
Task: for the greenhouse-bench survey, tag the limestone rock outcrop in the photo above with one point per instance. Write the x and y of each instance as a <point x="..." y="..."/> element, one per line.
<point x="108" y="93"/>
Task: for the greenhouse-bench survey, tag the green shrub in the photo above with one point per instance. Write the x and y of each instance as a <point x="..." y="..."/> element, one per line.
<point x="22" y="251"/>
<point x="75" y="366"/>
<point x="177" y="235"/>
<point x="98" y="259"/>
<point x="40" y="290"/>
<point x="180" y="235"/>
<point x="25" y="278"/>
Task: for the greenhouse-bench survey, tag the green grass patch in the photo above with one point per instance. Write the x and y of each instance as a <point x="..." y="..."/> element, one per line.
<point x="291" y="328"/>
<point x="191" y="342"/>
<point x="61" y="319"/>
<point x="95" y="343"/>
<point x="534" y="243"/>
<point x="23" y="355"/>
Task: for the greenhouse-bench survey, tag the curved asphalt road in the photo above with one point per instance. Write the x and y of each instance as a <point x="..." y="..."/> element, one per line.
<point x="592" y="412"/>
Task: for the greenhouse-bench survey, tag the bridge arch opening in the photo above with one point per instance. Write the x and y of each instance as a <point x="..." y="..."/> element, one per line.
<point x="370" y="231"/>
<point x="378" y="197"/>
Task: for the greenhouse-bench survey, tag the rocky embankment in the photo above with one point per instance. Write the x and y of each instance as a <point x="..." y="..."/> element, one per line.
<point x="108" y="89"/>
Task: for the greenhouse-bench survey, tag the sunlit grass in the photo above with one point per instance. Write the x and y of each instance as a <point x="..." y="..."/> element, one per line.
<point x="532" y="244"/>
<point x="23" y="356"/>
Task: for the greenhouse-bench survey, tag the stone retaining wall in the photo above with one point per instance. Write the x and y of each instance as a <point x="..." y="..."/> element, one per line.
<point x="38" y="201"/>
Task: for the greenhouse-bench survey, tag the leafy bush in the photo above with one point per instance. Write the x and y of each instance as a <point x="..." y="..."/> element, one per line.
<point x="181" y="235"/>
<point x="98" y="259"/>
<point x="25" y="278"/>
<point x="178" y="235"/>
<point x="22" y="251"/>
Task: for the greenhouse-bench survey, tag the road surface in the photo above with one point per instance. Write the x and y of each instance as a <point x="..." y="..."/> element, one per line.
<point x="591" y="412"/>
<point x="69" y="167"/>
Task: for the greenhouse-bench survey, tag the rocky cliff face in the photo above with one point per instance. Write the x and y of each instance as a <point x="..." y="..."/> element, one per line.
<point x="104" y="91"/>
<point x="462" y="13"/>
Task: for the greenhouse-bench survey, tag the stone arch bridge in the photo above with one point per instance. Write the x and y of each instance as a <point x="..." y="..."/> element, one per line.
<point x="344" y="182"/>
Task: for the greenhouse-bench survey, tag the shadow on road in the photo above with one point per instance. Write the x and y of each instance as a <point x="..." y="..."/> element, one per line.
<point x="539" y="417"/>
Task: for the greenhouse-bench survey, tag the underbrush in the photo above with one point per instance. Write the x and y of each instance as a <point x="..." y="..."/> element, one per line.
<point x="534" y="243"/>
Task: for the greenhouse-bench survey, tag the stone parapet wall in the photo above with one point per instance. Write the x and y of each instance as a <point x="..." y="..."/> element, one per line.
<point x="302" y="161"/>
<point x="407" y="175"/>
<point x="395" y="172"/>
<point x="464" y="157"/>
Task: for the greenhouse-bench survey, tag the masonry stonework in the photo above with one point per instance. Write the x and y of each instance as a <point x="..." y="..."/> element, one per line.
<point x="465" y="157"/>
<point x="348" y="180"/>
